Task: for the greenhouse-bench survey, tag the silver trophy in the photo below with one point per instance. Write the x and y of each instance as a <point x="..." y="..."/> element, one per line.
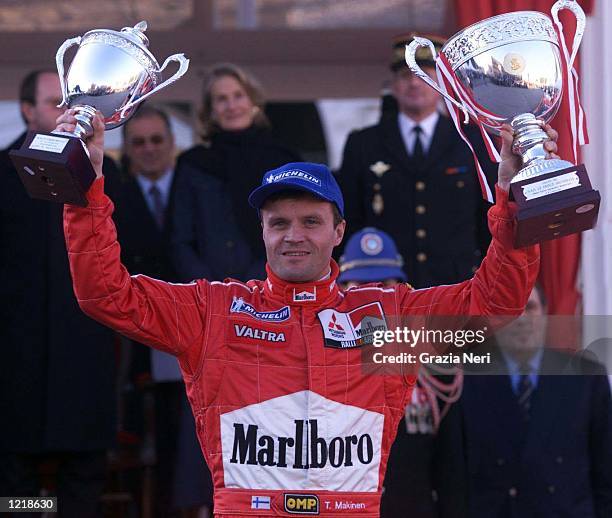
<point x="112" y="72"/>
<point x="508" y="70"/>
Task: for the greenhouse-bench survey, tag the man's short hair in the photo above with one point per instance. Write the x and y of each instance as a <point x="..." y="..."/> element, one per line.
<point x="148" y="110"/>
<point x="28" y="86"/>
<point x="303" y="195"/>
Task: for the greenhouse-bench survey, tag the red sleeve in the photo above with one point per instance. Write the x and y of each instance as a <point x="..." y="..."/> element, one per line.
<point x="502" y="284"/>
<point x="169" y="317"/>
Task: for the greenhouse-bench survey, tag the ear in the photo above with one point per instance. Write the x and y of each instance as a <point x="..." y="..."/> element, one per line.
<point x="339" y="231"/>
<point x="27" y="110"/>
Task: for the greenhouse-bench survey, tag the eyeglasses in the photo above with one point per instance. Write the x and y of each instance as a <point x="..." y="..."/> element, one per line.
<point x="156" y="140"/>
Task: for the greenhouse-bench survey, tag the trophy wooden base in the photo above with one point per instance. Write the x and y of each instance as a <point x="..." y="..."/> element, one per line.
<point x="54" y="167"/>
<point x="554" y="205"/>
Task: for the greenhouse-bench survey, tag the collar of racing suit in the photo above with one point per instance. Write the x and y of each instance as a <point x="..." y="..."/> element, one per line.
<point x="303" y="293"/>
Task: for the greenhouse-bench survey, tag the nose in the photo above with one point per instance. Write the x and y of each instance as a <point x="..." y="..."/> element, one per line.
<point x="231" y="103"/>
<point x="294" y="234"/>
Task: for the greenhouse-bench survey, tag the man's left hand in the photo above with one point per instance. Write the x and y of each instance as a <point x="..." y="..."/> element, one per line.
<point x="511" y="163"/>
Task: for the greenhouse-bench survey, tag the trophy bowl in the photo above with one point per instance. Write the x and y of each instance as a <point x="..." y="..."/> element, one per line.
<point x="508" y="69"/>
<point x="508" y="65"/>
<point x="111" y="72"/>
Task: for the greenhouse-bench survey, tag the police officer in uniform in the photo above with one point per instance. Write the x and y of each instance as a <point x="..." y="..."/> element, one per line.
<point x="412" y="176"/>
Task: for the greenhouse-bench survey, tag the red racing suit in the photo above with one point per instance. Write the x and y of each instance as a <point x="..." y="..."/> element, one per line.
<point x="287" y="419"/>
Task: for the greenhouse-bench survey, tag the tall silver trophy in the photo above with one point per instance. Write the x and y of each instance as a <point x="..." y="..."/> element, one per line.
<point x="112" y="72"/>
<point x="508" y="69"/>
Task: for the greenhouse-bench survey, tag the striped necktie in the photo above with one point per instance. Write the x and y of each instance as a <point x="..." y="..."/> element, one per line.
<point x="158" y="205"/>
<point x="524" y="391"/>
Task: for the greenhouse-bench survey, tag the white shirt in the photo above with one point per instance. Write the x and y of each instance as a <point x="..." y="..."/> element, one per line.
<point x="163" y="184"/>
<point x="428" y="127"/>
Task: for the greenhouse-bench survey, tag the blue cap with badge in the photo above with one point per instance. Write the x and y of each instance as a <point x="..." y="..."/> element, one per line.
<point x="370" y="255"/>
<point x="316" y="179"/>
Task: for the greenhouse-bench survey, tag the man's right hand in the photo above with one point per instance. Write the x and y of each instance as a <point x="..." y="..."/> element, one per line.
<point x="95" y="144"/>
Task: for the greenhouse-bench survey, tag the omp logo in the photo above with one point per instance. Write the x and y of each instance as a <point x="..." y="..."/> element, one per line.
<point x="302" y="441"/>
<point x="295" y="173"/>
<point x="301" y="504"/>
<point x="240" y="306"/>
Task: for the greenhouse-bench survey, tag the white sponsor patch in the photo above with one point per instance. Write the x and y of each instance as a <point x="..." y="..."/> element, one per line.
<point x="302" y="441"/>
<point x="305" y="295"/>
<point x="352" y="329"/>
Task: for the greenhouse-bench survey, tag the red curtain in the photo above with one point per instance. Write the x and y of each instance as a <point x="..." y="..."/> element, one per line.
<point x="472" y="11"/>
<point x="560" y="258"/>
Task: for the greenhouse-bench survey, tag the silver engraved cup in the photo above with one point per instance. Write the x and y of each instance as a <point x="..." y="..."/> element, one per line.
<point x="112" y="71"/>
<point x="510" y="72"/>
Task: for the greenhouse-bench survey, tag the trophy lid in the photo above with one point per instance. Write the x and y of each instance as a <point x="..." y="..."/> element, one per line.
<point x="137" y="33"/>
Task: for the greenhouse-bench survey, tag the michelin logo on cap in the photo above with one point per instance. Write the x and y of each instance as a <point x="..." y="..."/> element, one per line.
<point x="295" y="173"/>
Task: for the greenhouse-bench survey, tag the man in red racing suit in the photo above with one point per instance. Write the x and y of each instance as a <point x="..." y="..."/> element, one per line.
<point x="287" y="419"/>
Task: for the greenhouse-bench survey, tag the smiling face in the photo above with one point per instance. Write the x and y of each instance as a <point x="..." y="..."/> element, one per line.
<point x="299" y="235"/>
<point x="232" y="108"/>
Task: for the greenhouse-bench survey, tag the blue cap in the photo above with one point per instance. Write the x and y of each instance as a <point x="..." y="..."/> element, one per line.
<point x="301" y="176"/>
<point x="370" y="255"/>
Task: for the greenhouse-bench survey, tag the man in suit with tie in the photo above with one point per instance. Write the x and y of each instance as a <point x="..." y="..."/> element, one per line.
<point x="412" y="176"/>
<point x="536" y="438"/>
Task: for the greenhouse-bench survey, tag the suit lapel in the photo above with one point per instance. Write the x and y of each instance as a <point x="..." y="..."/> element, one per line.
<point x="494" y="397"/>
<point x="393" y="141"/>
<point x="551" y="390"/>
<point x="169" y="208"/>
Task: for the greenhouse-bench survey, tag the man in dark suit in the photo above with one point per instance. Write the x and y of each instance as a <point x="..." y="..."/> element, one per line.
<point x="57" y="392"/>
<point x="143" y="218"/>
<point x="536" y="438"/>
<point x="412" y="176"/>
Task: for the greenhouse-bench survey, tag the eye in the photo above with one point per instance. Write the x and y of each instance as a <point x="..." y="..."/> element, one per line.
<point x="311" y="222"/>
<point x="278" y="224"/>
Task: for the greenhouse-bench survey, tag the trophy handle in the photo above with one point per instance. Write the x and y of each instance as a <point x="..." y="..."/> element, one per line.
<point x="571" y="5"/>
<point x="59" y="60"/>
<point x="410" y="56"/>
<point x="183" y="66"/>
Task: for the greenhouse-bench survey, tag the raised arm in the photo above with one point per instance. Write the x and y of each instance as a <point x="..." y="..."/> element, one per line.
<point x="501" y="286"/>
<point x="169" y="317"/>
